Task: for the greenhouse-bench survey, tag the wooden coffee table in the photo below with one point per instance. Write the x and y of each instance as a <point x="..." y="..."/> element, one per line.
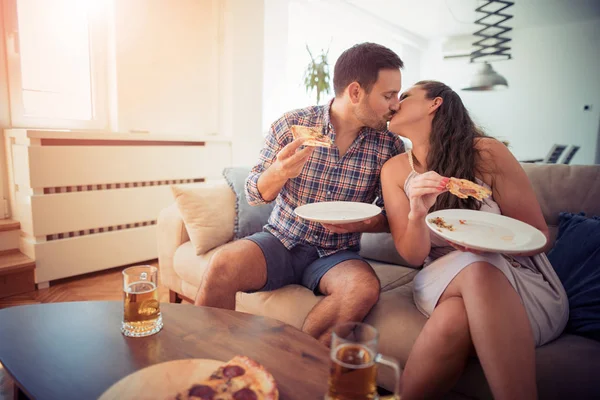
<point x="76" y="350"/>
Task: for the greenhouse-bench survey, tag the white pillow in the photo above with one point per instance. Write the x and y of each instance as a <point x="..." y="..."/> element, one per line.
<point x="208" y="212"/>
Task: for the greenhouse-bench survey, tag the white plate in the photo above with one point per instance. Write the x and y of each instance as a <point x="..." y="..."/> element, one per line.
<point x="337" y="212"/>
<point x="488" y="232"/>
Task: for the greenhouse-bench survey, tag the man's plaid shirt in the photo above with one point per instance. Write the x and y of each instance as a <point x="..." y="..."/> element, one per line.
<point x="325" y="177"/>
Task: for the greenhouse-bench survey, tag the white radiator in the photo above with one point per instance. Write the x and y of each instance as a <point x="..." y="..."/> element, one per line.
<point x="88" y="202"/>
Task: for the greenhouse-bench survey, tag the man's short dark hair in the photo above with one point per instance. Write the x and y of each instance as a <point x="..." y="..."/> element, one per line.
<point x="362" y="63"/>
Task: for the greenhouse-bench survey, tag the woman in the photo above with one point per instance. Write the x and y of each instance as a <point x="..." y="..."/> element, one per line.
<point x="498" y="306"/>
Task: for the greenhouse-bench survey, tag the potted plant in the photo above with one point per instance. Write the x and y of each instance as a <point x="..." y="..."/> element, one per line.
<point x="316" y="75"/>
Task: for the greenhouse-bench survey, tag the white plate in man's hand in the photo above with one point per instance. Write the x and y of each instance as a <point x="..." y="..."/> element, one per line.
<point x="480" y="230"/>
<point x="337" y="212"/>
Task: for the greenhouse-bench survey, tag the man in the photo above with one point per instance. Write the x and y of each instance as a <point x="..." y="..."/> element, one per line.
<point x="324" y="258"/>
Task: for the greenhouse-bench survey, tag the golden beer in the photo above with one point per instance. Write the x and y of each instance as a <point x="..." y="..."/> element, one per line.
<point x="141" y="309"/>
<point x="353" y="374"/>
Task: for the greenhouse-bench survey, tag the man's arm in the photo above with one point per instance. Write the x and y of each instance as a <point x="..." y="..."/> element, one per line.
<point x="277" y="164"/>
<point x="265" y="160"/>
<point x="378" y="223"/>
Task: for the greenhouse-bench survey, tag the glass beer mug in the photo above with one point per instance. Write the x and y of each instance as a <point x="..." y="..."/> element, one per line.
<point x="354" y="359"/>
<point x="141" y="309"/>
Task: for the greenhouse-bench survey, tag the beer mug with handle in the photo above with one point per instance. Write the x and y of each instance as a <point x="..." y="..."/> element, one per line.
<point x="141" y="309"/>
<point x="354" y="359"/>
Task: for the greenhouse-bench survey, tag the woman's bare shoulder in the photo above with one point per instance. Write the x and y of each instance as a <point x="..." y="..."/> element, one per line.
<point x="489" y="147"/>
<point x="492" y="153"/>
<point x="396" y="169"/>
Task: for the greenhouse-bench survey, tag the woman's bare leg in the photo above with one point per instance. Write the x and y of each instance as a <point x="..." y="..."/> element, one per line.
<point x="440" y="353"/>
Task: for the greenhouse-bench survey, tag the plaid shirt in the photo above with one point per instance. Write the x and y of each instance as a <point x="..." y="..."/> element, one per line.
<point x="325" y="177"/>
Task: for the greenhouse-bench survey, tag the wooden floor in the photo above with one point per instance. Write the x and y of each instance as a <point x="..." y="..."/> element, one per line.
<point x="105" y="285"/>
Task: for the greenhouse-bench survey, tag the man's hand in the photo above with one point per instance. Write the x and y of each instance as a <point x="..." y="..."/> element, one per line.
<point x="361" y="226"/>
<point x="290" y="160"/>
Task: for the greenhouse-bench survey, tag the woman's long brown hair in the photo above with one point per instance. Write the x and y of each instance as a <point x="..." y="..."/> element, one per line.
<point x="452" y="150"/>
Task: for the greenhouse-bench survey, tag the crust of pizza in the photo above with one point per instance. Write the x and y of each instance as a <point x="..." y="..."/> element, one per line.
<point x="463" y="188"/>
<point x="263" y="377"/>
<point x="240" y="378"/>
<point x="317" y="138"/>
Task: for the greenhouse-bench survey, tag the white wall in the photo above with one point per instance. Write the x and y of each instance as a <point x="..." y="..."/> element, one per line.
<point x="553" y="74"/>
<point x="286" y="37"/>
<point x="4" y="115"/>
<point x="166" y="56"/>
<point x="241" y="77"/>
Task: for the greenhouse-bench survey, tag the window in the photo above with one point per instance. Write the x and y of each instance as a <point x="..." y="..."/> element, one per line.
<point x="56" y="51"/>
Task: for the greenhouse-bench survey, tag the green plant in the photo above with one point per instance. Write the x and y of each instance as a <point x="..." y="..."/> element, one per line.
<point x="316" y="76"/>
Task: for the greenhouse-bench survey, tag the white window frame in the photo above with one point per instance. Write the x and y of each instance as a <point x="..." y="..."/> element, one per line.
<point x="98" y="23"/>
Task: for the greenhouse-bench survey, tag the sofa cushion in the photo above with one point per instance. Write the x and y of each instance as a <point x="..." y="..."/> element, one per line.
<point x="576" y="260"/>
<point x="567" y="368"/>
<point x="564" y="188"/>
<point x="249" y="219"/>
<point x="189" y="266"/>
<point x="206" y="220"/>
<point x="291" y="304"/>
<point x="380" y="246"/>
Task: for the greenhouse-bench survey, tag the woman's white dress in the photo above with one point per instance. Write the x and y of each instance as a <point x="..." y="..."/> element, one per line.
<point x="533" y="278"/>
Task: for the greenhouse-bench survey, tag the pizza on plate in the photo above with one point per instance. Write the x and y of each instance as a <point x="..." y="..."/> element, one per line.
<point x="314" y="134"/>
<point x="241" y="378"/>
<point x="464" y="188"/>
<point x="440" y="223"/>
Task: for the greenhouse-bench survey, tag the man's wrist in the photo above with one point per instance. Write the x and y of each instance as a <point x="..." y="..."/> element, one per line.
<point x="380" y="224"/>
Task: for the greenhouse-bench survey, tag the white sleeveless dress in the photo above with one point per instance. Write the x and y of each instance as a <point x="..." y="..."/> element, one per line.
<point x="533" y="278"/>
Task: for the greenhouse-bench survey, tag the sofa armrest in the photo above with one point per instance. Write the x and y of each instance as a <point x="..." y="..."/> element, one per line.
<point x="171" y="234"/>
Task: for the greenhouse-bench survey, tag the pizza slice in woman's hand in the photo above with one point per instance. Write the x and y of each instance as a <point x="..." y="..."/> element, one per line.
<point x="463" y="188"/>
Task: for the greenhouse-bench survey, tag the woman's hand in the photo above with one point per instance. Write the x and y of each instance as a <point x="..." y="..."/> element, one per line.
<point x="424" y="190"/>
<point x="465" y="249"/>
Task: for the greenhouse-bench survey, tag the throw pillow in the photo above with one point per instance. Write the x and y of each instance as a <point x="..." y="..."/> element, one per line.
<point x="576" y="260"/>
<point x="209" y="224"/>
<point x="249" y="219"/>
<point x="380" y="247"/>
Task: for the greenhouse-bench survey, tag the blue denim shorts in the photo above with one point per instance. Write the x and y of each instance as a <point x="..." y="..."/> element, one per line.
<point x="301" y="265"/>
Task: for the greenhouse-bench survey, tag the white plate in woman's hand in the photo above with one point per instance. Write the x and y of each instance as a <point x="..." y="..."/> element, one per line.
<point x="480" y="230"/>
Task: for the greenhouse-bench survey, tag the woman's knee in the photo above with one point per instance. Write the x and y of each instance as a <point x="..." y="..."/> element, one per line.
<point x="450" y="320"/>
<point x="478" y="274"/>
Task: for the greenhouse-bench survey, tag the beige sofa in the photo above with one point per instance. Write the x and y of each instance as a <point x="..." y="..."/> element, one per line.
<point x="568" y="368"/>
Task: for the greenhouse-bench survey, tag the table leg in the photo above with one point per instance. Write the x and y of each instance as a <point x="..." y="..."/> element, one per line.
<point x="18" y="394"/>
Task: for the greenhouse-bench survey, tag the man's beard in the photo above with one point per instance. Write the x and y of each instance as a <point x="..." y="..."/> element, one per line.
<point x="368" y="118"/>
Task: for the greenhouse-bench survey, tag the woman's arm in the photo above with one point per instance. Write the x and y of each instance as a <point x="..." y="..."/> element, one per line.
<point x="408" y="227"/>
<point x="511" y="187"/>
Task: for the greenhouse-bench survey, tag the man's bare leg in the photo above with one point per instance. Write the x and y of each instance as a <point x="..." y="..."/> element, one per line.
<point x="351" y="289"/>
<point x="236" y="266"/>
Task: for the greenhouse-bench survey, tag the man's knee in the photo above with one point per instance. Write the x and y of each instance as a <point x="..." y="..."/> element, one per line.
<point x="361" y="288"/>
<point x="237" y="264"/>
<point x="224" y="264"/>
<point x="220" y="267"/>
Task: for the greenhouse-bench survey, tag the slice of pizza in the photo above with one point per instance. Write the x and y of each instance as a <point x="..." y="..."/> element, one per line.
<point x="314" y="134"/>
<point x="464" y="188"/>
<point x="241" y="378"/>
